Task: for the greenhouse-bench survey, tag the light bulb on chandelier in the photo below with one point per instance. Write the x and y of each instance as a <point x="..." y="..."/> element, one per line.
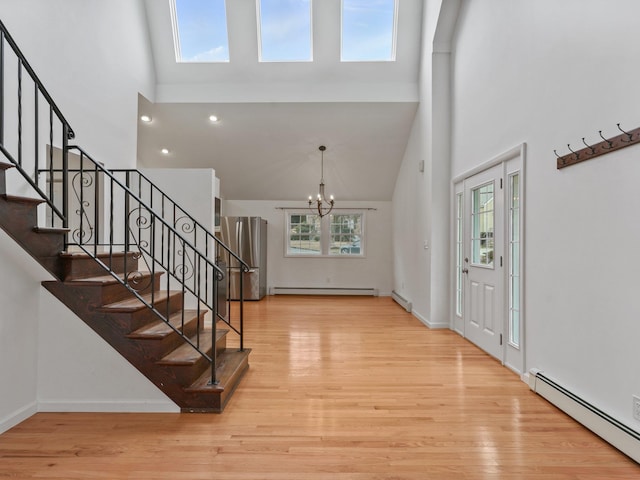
<point x="321" y="204"/>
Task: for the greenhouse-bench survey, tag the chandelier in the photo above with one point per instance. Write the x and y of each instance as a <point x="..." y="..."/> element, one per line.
<point x="321" y="204"/>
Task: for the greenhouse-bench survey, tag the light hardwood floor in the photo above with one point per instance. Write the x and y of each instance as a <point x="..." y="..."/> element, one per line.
<point x="338" y="388"/>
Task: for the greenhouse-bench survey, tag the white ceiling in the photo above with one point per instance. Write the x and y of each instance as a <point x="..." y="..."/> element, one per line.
<point x="274" y="116"/>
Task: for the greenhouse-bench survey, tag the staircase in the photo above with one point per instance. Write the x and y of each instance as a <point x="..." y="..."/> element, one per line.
<point x="153" y="346"/>
<point x="134" y="266"/>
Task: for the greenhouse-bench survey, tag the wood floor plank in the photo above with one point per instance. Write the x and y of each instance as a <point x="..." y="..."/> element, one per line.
<point x="338" y="388"/>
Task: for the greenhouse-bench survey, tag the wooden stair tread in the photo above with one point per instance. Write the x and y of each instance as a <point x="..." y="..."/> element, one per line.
<point x="17" y="199"/>
<point x="133" y="304"/>
<point x="99" y="254"/>
<point x="160" y="329"/>
<point x="105" y="279"/>
<point x="228" y="364"/>
<point x="186" y="354"/>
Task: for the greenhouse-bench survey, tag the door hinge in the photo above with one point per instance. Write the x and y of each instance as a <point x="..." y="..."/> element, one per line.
<point x="500" y="339"/>
<point x="500" y="184"/>
<point x="500" y="260"/>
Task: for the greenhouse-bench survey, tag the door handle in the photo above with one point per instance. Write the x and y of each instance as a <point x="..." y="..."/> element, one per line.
<point x="465" y="270"/>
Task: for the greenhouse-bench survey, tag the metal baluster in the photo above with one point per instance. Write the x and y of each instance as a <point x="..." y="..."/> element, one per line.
<point x="96" y="211"/>
<point x="184" y="249"/>
<point x="19" y="112"/>
<point x="65" y="179"/>
<point x="111" y="225"/>
<point x="153" y="257"/>
<point x="214" y="335"/>
<point x="168" y="276"/>
<point x="51" y="173"/>
<point x="36" y="174"/>
<point x="2" y="87"/>
<point x="81" y="234"/>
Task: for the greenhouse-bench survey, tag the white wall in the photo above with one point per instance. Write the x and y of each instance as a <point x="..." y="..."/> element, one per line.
<point x="193" y="189"/>
<point x="94" y="58"/>
<point x="373" y="271"/>
<point x="19" y="292"/>
<point x="549" y="73"/>
<point x="421" y="199"/>
<point x="94" y="71"/>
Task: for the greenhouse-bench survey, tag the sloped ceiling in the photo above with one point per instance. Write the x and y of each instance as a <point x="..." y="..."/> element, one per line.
<point x="274" y="116"/>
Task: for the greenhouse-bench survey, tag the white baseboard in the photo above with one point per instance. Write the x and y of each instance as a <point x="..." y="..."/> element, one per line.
<point x="425" y="320"/>
<point x="323" y="291"/>
<point x="602" y="424"/>
<point x="18" y="416"/>
<point x="152" y="406"/>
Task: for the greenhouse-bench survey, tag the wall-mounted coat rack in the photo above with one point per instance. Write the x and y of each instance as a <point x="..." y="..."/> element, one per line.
<point x="623" y="140"/>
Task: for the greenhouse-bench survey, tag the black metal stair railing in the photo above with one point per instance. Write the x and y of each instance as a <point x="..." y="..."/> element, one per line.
<point x="104" y="215"/>
<point x="133" y="226"/>
<point x="197" y="234"/>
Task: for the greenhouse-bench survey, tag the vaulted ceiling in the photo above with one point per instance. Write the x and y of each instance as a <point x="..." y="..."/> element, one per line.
<point x="274" y="116"/>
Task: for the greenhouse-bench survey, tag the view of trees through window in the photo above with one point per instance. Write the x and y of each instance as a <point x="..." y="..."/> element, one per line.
<point x="337" y="234"/>
<point x="304" y="234"/>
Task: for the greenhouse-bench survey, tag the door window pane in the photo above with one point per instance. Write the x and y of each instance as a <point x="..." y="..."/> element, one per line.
<point x="482" y="222"/>
<point x="459" y="254"/>
<point x="514" y="260"/>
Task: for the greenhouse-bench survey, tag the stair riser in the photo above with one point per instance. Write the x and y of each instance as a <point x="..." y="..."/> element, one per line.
<point x="187" y="374"/>
<point x="157" y="349"/>
<point x="116" y="292"/>
<point x="77" y="268"/>
<point x="3" y="182"/>
<point x="214" y="402"/>
<point x="18" y="220"/>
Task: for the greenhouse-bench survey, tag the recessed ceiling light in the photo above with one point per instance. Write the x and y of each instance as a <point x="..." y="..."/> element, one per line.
<point x="165" y="151"/>
<point x="145" y="118"/>
<point x="213" y="118"/>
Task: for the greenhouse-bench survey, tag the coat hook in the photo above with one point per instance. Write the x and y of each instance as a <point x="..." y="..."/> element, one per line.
<point x="630" y="135"/>
<point x="593" y="150"/>
<point x="575" y="153"/>
<point x="608" y="141"/>
<point x="562" y="160"/>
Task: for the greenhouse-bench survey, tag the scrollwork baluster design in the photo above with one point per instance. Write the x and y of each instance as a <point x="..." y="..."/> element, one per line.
<point x="139" y="221"/>
<point x="83" y="234"/>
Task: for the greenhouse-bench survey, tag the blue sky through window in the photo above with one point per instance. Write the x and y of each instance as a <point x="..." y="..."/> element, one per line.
<point x="285" y="30"/>
<point x="368" y="30"/>
<point x="202" y="31"/>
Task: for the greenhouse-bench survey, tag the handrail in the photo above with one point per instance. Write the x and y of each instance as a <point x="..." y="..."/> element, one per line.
<point x="34" y="77"/>
<point x="16" y="157"/>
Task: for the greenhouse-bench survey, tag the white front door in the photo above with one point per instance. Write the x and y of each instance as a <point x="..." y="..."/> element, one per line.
<point x="482" y="266"/>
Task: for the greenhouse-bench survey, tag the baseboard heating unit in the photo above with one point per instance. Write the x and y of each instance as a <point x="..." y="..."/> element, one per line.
<point x="611" y="430"/>
<point x="400" y="300"/>
<point x="323" y="291"/>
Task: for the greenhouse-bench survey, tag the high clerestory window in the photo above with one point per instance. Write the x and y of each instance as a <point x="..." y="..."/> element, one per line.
<point x="284" y="30"/>
<point x="200" y="30"/>
<point x="369" y="30"/>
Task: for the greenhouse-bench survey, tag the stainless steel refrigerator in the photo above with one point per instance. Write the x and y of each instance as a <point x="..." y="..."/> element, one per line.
<point x="247" y="237"/>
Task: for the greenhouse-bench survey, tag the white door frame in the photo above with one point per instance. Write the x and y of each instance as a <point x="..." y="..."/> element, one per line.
<point x="513" y="161"/>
